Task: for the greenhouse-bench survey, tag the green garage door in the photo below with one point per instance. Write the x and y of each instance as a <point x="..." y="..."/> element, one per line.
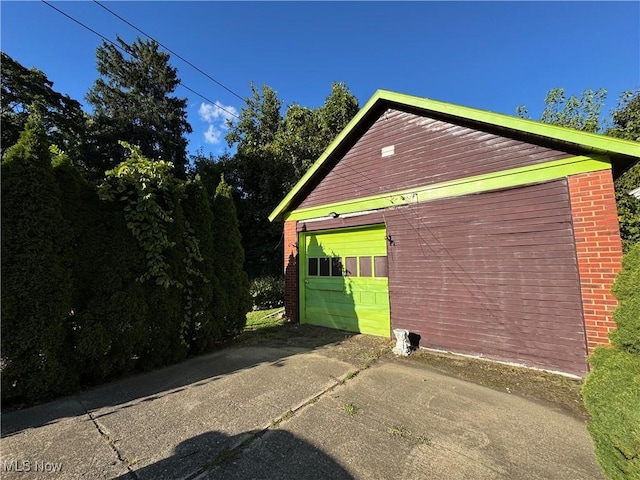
<point x="343" y="276"/>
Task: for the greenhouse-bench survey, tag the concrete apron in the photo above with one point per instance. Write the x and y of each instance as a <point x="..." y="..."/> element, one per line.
<point x="280" y="413"/>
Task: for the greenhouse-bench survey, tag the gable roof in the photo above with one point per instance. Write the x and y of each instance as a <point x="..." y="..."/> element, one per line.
<point x="626" y="151"/>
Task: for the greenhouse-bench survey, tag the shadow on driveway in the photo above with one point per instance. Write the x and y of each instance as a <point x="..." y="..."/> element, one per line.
<point x="279" y="344"/>
<point x="217" y="455"/>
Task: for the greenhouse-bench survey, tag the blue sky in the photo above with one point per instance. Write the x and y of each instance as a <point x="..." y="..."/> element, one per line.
<point x="488" y="55"/>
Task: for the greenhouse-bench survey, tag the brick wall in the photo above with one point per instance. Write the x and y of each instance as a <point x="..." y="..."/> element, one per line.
<point x="598" y="248"/>
<point x="291" y="271"/>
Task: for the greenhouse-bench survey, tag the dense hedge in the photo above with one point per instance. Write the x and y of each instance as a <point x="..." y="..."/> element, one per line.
<point x="36" y="281"/>
<point x="99" y="282"/>
<point x="612" y="389"/>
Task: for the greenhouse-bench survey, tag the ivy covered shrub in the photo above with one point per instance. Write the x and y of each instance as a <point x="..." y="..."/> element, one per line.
<point x="612" y="389"/>
<point x="206" y="299"/>
<point x="98" y="283"/>
<point x="36" y="282"/>
<point x="149" y="195"/>
<point x="267" y="292"/>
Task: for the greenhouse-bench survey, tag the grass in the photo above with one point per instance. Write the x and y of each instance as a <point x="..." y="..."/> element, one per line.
<point x="350" y="408"/>
<point x="400" y="431"/>
<point x="263" y="319"/>
<point x="283" y="418"/>
<point x="271" y="328"/>
<point x="264" y="326"/>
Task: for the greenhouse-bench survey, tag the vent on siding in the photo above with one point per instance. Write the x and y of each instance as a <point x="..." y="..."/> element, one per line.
<point x="388" y="151"/>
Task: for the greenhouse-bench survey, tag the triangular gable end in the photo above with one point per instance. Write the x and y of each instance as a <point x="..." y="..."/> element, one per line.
<point x="444" y="116"/>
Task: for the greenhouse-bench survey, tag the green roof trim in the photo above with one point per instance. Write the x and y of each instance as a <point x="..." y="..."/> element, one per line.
<point x="590" y="143"/>
<point x="542" y="172"/>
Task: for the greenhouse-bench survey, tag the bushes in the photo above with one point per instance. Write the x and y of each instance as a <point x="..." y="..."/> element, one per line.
<point x="36" y="282"/>
<point x="94" y="287"/>
<point x="612" y="389"/>
<point x="229" y="258"/>
<point x="628" y="206"/>
<point x="267" y="292"/>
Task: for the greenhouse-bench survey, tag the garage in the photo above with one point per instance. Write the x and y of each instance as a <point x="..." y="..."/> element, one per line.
<point x="345" y="279"/>
<point x="479" y="233"/>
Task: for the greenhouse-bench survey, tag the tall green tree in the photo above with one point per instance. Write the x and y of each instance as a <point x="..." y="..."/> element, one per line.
<point x="209" y="305"/>
<point x="62" y="117"/>
<point x="306" y="132"/>
<point x="36" y="282"/>
<point x="229" y="260"/>
<point x="133" y="101"/>
<point x="272" y="154"/>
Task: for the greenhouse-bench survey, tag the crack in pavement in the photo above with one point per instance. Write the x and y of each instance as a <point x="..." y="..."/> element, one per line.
<point x="229" y="454"/>
<point x="105" y="435"/>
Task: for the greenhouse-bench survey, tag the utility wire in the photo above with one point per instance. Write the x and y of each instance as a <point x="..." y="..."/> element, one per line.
<point x="132" y="54"/>
<point x="169" y="50"/>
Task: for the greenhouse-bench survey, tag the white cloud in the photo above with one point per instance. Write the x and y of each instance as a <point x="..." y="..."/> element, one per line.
<point x="212" y="135"/>
<point x="215" y="116"/>
<point x="217" y="111"/>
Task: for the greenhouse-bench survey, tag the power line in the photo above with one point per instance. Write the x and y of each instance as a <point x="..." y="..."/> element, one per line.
<point x="169" y="50"/>
<point x="133" y="55"/>
<point x="82" y="24"/>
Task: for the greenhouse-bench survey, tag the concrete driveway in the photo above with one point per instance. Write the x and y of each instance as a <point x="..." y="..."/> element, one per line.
<point x="295" y="413"/>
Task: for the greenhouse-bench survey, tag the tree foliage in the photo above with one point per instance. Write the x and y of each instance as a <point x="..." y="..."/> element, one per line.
<point x="229" y="259"/>
<point x="628" y="207"/>
<point x="581" y="113"/>
<point x="36" y="282"/>
<point x="626" y="125"/>
<point x="272" y="154"/>
<point x="626" y="117"/>
<point x="133" y="102"/>
<point x="63" y="120"/>
<point x="612" y="389"/>
<point x="95" y="286"/>
<point x="209" y="303"/>
<point x="584" y="114"/>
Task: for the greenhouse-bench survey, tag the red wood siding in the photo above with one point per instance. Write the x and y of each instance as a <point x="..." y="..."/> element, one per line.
<point x="427" y="151"/>
<point x="493" y="274"/>
<point x="599" y="250"/>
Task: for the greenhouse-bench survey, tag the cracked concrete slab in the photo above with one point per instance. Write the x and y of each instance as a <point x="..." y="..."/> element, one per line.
<point x="213" y="417"/>
<point x="412" y="423"/>
<point x="70" y="442"/>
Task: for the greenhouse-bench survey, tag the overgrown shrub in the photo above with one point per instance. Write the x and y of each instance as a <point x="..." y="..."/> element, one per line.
<point x="208" y="305"/>
<point x="150" y="196"/>
<point x="612" y="389"/>
<point x="97" y="283"/>
<point x="229" y="259"/>
<point x="628" y="207"/>
<point x="36" y="282"/>
<point x="267" y="292"/>
<point x="112" y="328"/>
